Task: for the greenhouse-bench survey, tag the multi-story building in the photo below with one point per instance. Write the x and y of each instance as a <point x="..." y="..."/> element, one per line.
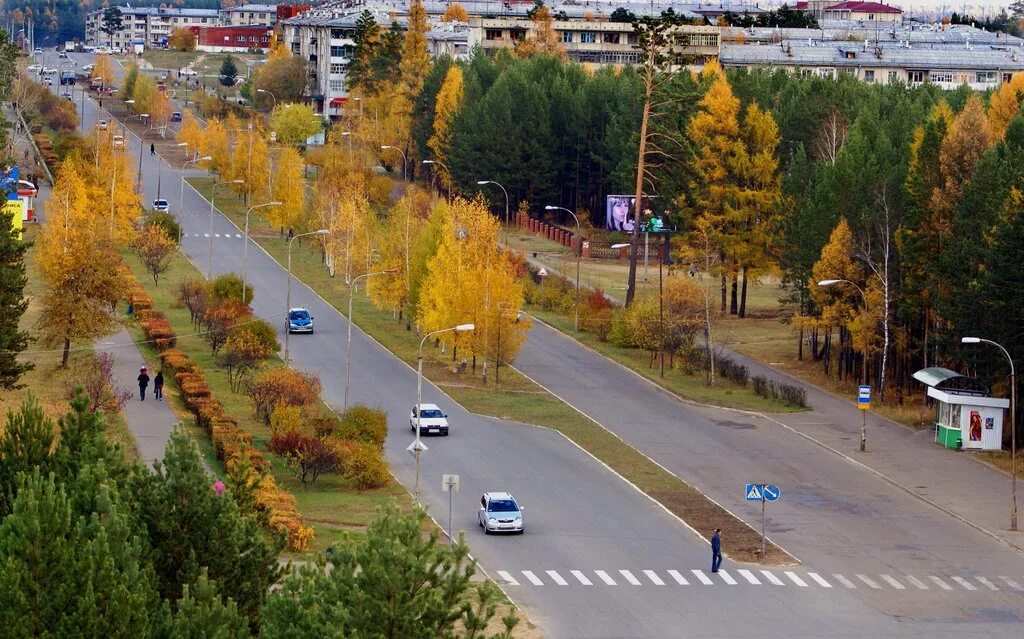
<point x="250" y="15"/>
<point x="148" y="26"/>
<point x="950" y="56"/>
<point x="863" y="12"/>
<point x="238" y="39"/>
<point x="592" y="41"/>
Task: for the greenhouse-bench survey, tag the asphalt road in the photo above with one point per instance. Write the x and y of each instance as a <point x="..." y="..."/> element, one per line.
<point x="579" y="515"/>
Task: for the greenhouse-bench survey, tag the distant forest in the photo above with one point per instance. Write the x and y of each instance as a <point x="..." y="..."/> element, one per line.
<point x="58" y="21"/>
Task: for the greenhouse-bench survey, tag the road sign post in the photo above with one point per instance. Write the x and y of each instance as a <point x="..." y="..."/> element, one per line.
<point x="762" y="493"/>
<point x="864" y="403"/>
<point x="450" y="485"/>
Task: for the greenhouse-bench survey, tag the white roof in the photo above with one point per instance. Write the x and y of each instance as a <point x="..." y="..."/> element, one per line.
<point x="254" y="8"/>
<point x="964" y="399"/>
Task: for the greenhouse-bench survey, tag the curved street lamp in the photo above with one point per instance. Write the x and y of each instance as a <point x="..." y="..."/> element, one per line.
<point x="213" y="195"/>
<point x="864" y="417"/>
<point x="578" y="251"/>
<point x="348" y="360"/>
<point x="482" y="183"/>
<point x="395" y="148"/>
<point x="245" y="245"/>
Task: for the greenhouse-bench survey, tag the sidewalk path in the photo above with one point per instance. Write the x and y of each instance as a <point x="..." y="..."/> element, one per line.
<point x="151" y="422"/>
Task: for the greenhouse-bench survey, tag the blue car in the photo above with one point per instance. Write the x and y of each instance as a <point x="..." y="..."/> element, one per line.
<point x="299" y="321"/>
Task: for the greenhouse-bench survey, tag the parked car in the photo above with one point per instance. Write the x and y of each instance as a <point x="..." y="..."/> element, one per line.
<point x="432" y="419"/>
<point x="176" y="116"/>
<point x="38" y="51"/>
<point x="49" y="71"/>
<point x="188" y="73"/>
<point x="118" y="141"/>
<point x="161" y="205"/>
<point x="499" y="512"/>
<point x="34" y="68"/>
<point x="299" y="321"/>
<point x="63" y="55"/>
<point x="67" y="96"/>
<point x="103" y="124"/>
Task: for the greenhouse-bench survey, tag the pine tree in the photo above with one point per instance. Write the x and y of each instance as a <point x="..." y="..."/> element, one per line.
<point x="203" y="614"/>
<point x="12" y="304"/>
<point x="26" y="443"/>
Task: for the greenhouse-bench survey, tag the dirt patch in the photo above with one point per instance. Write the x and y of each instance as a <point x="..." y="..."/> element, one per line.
<point x="740" y="542"/>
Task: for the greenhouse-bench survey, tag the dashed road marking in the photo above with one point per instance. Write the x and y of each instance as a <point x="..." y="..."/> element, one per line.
<point x="581" y="577"/>
<point x="509" y="579"/>
<point x="917" y="583"/>
<point x="653" y="576"/>
<point x="868" y="581"/>
<point x="963" y="582"/>
<point x="821" y="580"/>
<point x="678" y="577"/>
<point x="629" y="577"/>
<point x="846" y="582"/>
<point x="772" y="578"/>
<point x="1011" y="583"/>
<point x="892" y="582"/>
<point x="795" y="578"/>
<point x="726" y="577"/>
<point x="557" y="578"/>
<point x="533" y="578"/>
<point x="604" y="577"/>
<point x="988" y="584"/>
<point x="749" y="576"/>
<point x="702" y="577"/>
<point x="940" y="583"/>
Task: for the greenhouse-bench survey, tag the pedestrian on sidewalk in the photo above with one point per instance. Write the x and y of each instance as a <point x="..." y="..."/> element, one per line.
<point x="152" y="149"/>
<point x="716" y="550"/>
<point x="158" y="386"/>
<point x="219" y="487"/>
<point x="143" y="383"/>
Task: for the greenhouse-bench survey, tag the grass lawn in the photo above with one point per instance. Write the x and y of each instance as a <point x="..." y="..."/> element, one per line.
<point x="330" y="506"/>
<point x="48" y="382"/>
<point x="517" y="398"/>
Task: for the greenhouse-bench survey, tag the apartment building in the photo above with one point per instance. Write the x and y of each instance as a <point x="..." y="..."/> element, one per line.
<point x="593" y="42"/>
<point x="250" y="15"/>
<point x="146" y="26"/>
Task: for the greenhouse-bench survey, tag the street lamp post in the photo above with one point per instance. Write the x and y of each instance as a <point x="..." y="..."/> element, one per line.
<point x="348" y="360"/>
<point x="213" y="195"/>
<point x="483" y="182"/>
<point x="395" y="148"/>
<point x="442" y="165"/>
<point x="1013" y="422"/>
<point x="271" y="95"/>
<point x="181" y="192"/>
<point x="417" y="446"/>
<point x="578" y="250"/>
<point x="245" y="245"/>
<point x="288" y="295"/>
<point x="864" y="366"/>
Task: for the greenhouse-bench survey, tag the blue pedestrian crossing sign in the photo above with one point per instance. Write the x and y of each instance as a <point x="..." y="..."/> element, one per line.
<point x="864" y="397"/>
<point x="771" y="492"/>
<point x="754" y="492"/>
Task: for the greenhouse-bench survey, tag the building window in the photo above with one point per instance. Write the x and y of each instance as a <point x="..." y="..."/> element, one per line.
<point x="588" y="37"/>
<point x="827" y="73"/>
<point x="493" y="34"/>
<point x="869" y="75"/>
<point x="631" y="38"/>
<point x="337" y="86"/>
<point x="915" y="76"/>
<point x="611" y="38"/>
<point x="1007" y="77"/>
<point x="337" y="52"/>
<point x="893" y="76"/>
<point x="337" y="68"/>
<point x="871" y="16"/>
<point x="567" y="36"/>
<point x="986" y="77"/>
<point x="940" y="76"/>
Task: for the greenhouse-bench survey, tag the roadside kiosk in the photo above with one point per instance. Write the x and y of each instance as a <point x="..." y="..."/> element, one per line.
<point x="966" y="415"/>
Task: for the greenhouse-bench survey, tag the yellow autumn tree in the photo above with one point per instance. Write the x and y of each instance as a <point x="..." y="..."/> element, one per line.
<point x="78" y="268"/>
<point x="455" y="13"/>
<point x="398" y="237"/>
<point x="469" y="279"/>
<point x="250" y="162"/>
<point x="841" y="305"/>
<point x="544" y="41"/>
<point x="968" y="138"/>
<point x="160" y="109"/>
<point x="293" y="123"/>
<point x="289" y="188"/>
<point x="215" y="144"/>
<point x="103" y="69"/>
<point x="116" y="203"/>
<point x="1004" y="105"/>
<point x="449" y="101"/>
<point x="191" y="133"/>
<point x="144" y="92"/>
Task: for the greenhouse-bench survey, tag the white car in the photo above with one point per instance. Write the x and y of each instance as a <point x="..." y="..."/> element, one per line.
<point x="188" y="73"/>
<point x="103" y="124"/>
<point x="49" y="71"/>
<point x="161" y="205"/>
<point x="432" y="419"/>
<point x="38" y="51"/>
<point x="33" y="68"/>
<point x="499" y="512"/>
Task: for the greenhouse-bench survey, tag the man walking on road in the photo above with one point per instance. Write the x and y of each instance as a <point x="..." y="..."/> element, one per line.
<point x="716" y="550"/>
<point x="152" y="149"/>
<point x="158" y="386"/>
<point x="143" y="383"/>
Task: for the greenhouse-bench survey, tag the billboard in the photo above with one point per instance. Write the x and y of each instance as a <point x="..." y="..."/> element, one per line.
<point x="620" y="214"/>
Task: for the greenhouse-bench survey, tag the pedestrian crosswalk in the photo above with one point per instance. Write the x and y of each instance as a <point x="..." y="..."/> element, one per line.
<point x="224" y="236"/>
<point x="762" y="577"/>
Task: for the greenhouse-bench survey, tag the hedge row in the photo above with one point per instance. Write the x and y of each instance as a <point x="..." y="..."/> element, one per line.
<point x="231" y="443"/>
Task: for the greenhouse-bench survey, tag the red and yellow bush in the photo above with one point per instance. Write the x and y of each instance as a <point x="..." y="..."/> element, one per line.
<point x="158" y="331"/>
<point x="282" y="385"/>
<point x="177" y="361"/>
<point x="283" y="514"/>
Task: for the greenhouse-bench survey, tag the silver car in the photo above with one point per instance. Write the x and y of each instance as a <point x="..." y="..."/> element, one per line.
<point x="499" y="512"/>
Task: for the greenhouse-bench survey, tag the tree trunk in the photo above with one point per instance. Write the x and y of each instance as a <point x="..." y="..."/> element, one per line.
<point x="743" y="295"/>
<point x="723" y="291"/>
<point x="800" y="345"/>
<point x="65" y="354"/>
<point x="649" y="72"/>
<point x="732" y="294"/>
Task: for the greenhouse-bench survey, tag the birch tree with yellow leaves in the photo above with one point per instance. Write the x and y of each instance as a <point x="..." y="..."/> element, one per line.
<point x="449" y="101"/>
<point x="471" y="280"/>
<point x="289" y="188"/>
<point x="398" y="237"/>
<point x="215" y="144"/>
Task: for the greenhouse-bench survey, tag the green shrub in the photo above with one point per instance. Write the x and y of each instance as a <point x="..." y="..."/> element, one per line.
<point x="366" y="468"/>
<point x="262" y="331"/>
<point x="228" y="287"/>
<point x="167" y="222"/>
<point x="364" y="425"/>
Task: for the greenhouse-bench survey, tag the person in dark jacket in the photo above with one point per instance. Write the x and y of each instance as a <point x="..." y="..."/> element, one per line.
<point x="152" y="149"/>
<point x="158" y="386"/>
<point x="143" y="383"/>
<point x="716" y="550"/>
